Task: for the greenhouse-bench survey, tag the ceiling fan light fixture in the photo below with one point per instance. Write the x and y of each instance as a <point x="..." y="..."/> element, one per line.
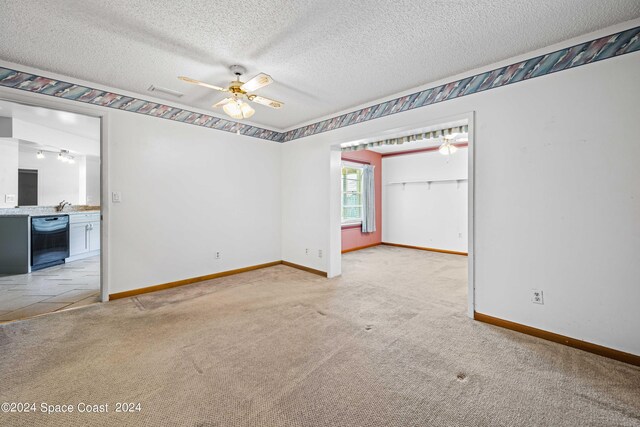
<point x="247" y="111"/>
<point x="236" y="106"/>
<point x="238" y="110"/>
<point x="233" y="110"/>
<point x="447" y="148"/>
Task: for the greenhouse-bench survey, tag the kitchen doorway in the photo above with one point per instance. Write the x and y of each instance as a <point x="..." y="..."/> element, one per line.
<point x="50" y="210"/>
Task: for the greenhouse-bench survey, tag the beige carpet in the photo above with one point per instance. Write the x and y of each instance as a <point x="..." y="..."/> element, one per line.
<point x="387" y="344"/>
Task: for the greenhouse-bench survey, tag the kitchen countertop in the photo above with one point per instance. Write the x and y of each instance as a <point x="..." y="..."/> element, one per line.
<point x="35" y="212"/>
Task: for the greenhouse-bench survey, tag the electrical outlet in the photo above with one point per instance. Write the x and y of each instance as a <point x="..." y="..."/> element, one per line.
<point x="536" y="296"/>
<point x="116" y="197"/>
<point x="218" y="255"/>
<point x="10" y="198"/>
<point x="306" y="251"/>
<point x="319" y="253"/>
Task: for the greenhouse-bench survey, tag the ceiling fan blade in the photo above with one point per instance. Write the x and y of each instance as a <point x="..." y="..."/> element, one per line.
<point x="261" y="80"/>
<point x="222" y="102"/>
<point x="199" y="83"/>
<point x="265" y="101"/>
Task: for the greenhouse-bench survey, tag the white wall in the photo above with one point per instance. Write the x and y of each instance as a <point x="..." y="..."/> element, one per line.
<point x="418" y="214"/>
<point x="8" y="171"/>
<point x="557" y="199"/>
<point x="92" y="164"/>
<point x="82" y="184"/>
<point x="44" y="135"/>
<point x="188" y="192"/>
<point x="57" y="181"/>
<point x="306" y="210"/>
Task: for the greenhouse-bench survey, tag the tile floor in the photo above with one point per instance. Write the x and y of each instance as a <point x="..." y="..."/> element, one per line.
<point x="64" y="286"/>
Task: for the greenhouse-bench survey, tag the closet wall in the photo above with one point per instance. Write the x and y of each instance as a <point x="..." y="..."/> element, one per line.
<point x="424" y="200"/>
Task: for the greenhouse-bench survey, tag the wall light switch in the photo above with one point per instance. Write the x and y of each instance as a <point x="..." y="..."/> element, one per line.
<point x="116" y="197"/>
<point x="9" y="198"/>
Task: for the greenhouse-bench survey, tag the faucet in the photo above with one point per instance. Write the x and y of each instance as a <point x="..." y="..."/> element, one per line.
<point x="61" y="205"/>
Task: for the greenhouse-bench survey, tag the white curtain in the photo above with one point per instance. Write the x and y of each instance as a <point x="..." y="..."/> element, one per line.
<point x="368" y="200"/>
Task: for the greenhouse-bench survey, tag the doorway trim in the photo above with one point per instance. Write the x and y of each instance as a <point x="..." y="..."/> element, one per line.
<point x="36" y="100"/>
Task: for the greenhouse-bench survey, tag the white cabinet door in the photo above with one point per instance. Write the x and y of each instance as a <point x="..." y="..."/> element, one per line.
<point x="94" y="236"/>
<point x="78" y="239"/>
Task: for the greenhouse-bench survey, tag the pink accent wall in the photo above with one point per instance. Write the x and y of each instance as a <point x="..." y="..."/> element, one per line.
<point x="353" y="237"/>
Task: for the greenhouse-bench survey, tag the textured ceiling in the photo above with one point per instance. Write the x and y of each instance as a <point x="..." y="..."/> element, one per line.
<point x="325" y="56"/>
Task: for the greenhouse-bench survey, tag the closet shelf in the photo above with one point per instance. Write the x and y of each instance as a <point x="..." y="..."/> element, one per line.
<point x="427" y="181"/>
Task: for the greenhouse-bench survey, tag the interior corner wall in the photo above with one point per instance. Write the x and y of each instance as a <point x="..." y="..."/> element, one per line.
<point x="426" y="215"/>
<point x="353" y="237"/>
<point x="187" y="193"/>
<point x="556" y="196"/>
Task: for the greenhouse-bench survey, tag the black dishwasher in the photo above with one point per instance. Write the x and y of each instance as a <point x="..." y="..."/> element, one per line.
<point x="49" y="241"/>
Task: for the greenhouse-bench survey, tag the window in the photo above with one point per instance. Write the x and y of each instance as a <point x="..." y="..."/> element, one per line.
<point x="351" y="193"/>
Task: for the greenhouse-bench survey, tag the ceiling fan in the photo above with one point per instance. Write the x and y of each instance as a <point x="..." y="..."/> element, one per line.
<point x="235" y="105"/>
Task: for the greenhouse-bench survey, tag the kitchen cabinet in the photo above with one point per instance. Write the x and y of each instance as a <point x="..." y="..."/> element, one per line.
<point x="84" y="236"/>
<point x="94" y="236"/>
<point x="78" y="239"/>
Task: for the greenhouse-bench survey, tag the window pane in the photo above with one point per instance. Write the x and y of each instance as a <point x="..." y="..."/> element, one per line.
<point x="352" y="213"/>
<point x="350" y="199"/>
<point x="351" y="194"/>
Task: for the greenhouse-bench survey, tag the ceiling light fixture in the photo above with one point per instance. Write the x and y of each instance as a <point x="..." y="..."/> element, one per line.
<point x="447" y="148"/>
<point x="238" y="109"/>
<point x="236" y="106"/>
<point x="448" y="133"/>
<point x="40" y="155"/>
<point x="64" y="157"/>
